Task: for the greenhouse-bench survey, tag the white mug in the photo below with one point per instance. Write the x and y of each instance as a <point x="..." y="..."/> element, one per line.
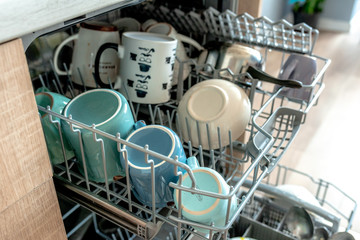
<point x="87" y="42"/>
<point x="146" y="68"/>
<point x="167" y="29"/>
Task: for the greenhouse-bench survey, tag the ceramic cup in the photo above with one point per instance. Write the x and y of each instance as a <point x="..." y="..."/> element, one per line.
<point x="201" y="208"/>
<point x="242" y="238"/>
<point x="146" y="68"/>
<point x="41" y="51"/>
<point x="87" y="42"/>
<point x="110" y="113"/>
<point x="302" y="68"/>
<point x="163" y="141"/>
<point x="149" y="22"/>
<point x="57" y="103"/>
<point x="181" y="54"/>
<point x="211" y="105"/>
<point x="127" y="24"/>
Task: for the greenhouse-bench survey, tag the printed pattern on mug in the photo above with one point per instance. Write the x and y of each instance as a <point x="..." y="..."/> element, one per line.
<point x="133" y="56"/>
<point x="130" y="83"/>
<point x="144" y="60"/>
<point x="171" y="60"/>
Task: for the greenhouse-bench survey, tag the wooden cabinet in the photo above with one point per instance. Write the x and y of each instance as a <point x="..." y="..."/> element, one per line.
<point x="253" y="7"/>
<point x="29" y="207"/>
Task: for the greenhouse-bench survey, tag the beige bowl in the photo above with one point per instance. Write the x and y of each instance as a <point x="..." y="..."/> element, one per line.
<point x="211" y="105"/>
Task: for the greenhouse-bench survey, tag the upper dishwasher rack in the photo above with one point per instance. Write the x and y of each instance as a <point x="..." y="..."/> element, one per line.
<point x="229" y="26"/>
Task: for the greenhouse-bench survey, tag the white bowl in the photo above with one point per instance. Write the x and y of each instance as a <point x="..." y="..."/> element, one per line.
<point x="211" y="105"/>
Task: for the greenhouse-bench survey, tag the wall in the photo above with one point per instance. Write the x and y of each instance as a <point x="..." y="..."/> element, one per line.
<point x="337" y="15"/>
<point x="274" y="9"/>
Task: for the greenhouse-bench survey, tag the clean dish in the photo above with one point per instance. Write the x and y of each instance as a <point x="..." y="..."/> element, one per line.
<point x="299" y="222"/>
<point x="127" y="24"/>
<point x="181" y="53"/>
<point x="242" y="59"/>
<point x="161" y="140"/>
<point x="342" y="236"/>
<point x="145" y="25"/>
<point x="109" y="111"/>
<point x="91" y="36"/>
<point x="302" y="68"/>
<point x="210" y="106"/>
<point x="237" y="58"/>
<point x="242" y="238"/>
<point x="146" y="69"/>
<point x="297" y="192"/>
<point x="321" y="233"/>
<point x="56" y="102"/>
<point x="201" y="208"/>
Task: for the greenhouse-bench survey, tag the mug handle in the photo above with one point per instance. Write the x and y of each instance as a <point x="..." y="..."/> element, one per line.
<point x="57" y="52"/>
<point x="139" y="124"/>
<point x="262" y="76"/>
<point x="287" y="69"/>
<point x="202" y="57"/>
<point x="102" y="48"/>
<point x="192" y="162"/>
<point x="188" y="40"/>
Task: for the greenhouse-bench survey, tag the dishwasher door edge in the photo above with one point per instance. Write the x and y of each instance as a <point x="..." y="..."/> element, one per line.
<point x="106" y="209"/>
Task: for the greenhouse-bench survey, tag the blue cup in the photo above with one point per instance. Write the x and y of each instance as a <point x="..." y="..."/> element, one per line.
<point x="161" y="140"/>
<point x="56" y="102"/>
<point x="200" y="208"/>
<point x="110" y="112"/>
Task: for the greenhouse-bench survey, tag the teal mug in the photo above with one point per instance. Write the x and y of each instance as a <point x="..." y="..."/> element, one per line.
<point x="200" y="208"/>
<point x="109" y="111"/>
<point x="57" y="103"/>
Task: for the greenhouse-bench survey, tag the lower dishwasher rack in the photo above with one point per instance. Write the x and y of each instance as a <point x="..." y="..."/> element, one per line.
<point x="275" y="123"/>
<point x="112" y="200"/>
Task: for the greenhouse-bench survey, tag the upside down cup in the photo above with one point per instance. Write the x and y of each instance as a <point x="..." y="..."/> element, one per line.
<point x="107" y="110"/>
<point x="210" y="110"/>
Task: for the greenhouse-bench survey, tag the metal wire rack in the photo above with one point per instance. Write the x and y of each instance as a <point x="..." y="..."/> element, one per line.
<point x="264" y="215"/>
<point x="113" y="201"/>
<point x="230" y="26"/>
<point x="335" y="213"/>
<point x="276" y="119"/>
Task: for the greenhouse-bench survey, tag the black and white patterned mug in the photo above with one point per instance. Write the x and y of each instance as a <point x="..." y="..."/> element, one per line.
<point x="146" y="66"/>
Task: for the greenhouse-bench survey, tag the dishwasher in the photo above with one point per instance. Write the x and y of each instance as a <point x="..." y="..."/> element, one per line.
<point x="249" y="164"/>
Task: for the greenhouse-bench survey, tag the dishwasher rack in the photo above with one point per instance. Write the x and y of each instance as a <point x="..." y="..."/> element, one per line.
<point x="247" y="162"/>
<point x="113" y="202"/>
<point x="227" y="25"/>
<point x="283" y="188"/>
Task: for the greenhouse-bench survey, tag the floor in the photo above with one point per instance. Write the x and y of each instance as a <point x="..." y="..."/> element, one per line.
<point x="327" y="145"/>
